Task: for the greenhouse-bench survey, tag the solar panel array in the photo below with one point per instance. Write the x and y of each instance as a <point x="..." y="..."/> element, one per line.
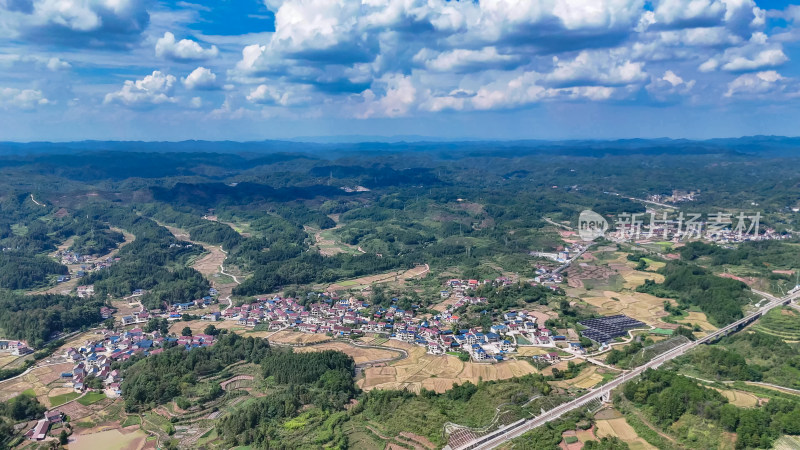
<point x="605" y="329"/>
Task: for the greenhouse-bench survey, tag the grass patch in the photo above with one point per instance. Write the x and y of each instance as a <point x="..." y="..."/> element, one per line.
<point x="131" y="420"/>
<point x="87" y="424"/>
<point x="571" y="439"/>
<point x="223" y="279"/>
<point x="91" y="398"/>
<point x="29" y="393"/>
<point x="522" y="340"/>
<point x="19" y="229"/>
<point x="58" y="400"/>
<point x="208" y="436"/>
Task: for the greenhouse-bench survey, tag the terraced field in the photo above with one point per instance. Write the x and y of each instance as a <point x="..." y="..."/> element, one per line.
<point x="784" y="323"/>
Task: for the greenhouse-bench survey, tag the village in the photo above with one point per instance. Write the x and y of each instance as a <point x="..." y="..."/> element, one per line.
<point x="80" y="265"/>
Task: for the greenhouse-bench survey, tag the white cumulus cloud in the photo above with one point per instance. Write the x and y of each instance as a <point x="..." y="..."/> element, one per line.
<point x="25" y="99"/>
<point x="153" y="89"/>
<point x="201" y="79"/>
<point x="766" y="84"/>
<point x="184" y="50"/>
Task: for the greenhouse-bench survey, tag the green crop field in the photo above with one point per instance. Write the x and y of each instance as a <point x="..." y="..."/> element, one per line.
<point x="63" y="398"/>
<point x="784" y="323"/>
<point x="91" y="398"/>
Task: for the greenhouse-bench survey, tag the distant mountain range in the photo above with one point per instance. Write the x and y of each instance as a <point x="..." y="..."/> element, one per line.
<point x="320" y="146"/>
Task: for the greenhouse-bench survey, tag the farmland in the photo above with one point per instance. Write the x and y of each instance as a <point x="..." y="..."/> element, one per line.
<point x="644" y="307"/>
<point x="360" y="355"/>
<point x="436" y="373"/>
<point x="784" y="323"/>
<point x="396" y="277"/>
<point x="611" y="423"/>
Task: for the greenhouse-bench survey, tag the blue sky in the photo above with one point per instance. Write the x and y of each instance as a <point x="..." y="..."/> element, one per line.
<point x="500" y="69"/>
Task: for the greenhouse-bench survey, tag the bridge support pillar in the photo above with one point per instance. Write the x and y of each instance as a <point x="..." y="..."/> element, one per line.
<point x="606" y="397"/>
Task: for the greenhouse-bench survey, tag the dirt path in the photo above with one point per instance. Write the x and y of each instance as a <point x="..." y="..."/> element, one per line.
<point x="34" y="201"/>
<point x="210" y="264"/>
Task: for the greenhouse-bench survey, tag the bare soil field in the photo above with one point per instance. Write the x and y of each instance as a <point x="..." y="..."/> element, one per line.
<point x="442" y="306"/>
<point x="578" y="273"/>
<point x="125" y="439"/>
<point x="359" y="355"/>
<point x="746" y="280"/>
<point x="436" y="373"/>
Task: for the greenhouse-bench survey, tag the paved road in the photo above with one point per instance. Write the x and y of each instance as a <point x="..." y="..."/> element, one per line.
<point x="519" y="428"/>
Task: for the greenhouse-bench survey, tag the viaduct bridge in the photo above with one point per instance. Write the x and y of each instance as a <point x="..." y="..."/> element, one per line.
<point x="522" y="426"/>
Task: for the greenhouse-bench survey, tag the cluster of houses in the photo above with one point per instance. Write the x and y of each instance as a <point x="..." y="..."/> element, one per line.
<point x="340" y="316"/>
<point x="94" y="358"/>
<point x="173" y="313"/>
<point x="88" y="263"/>
<point x="16" y="348"/>
<point x="460" y="288"/>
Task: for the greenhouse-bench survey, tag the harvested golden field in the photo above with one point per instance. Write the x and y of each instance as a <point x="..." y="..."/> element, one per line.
<point x="532" y="351"/>
<point x="587" y="379"/>
<point x="442" y="306"/>
<point x="697" y="318"/>
<point x="397" y="277"/>
<point x="617" y="426"/>
<point x="360" y="355"/>
<point x="635" y="278"/>
<point x="739" y="398"/>
<point x="197" y="326"/>
<point x="436" y="372"/>
<point x="295" y="337"/>
<point x="644" y="307"/>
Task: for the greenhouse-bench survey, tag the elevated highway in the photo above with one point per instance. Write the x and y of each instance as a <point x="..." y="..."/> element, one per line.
<point x="520" y="427"/>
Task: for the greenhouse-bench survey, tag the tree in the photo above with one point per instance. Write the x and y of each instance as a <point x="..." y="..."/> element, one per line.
<point x="211" y="330"/>
<point x="186" y="331"/>
<point x="63" y="437"/>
